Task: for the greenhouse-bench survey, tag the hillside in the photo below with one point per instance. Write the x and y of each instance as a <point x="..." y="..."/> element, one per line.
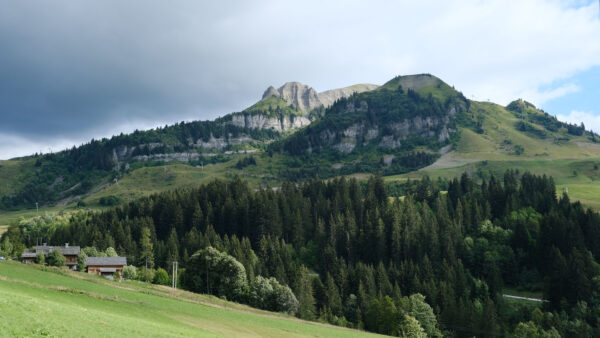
<point x="47" y="301"/>
<point x="391" y="129"/>
<point x="444" y="258"/>
<point x="410" y="123"/>
<point x="497" y="142"/>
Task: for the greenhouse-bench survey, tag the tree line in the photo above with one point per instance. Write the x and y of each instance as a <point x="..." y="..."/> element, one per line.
<point x="354" y="256"/>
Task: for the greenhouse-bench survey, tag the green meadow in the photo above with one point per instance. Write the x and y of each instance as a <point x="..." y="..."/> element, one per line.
<point x="41" y="301"/>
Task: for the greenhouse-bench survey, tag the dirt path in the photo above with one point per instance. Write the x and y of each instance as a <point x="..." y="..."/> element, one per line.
<point x="525" y="298"/>
<point x="449" y="160"/>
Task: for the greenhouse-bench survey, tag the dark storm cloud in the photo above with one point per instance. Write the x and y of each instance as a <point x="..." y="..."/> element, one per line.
<point x="71" y="67"/>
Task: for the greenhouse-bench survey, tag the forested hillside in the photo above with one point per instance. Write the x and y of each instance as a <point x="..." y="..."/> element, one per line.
<point x="403" y="126"/>
<point x="391" y="129"/>
<point x="354" y="256"/>
<point x="55" y="176"/>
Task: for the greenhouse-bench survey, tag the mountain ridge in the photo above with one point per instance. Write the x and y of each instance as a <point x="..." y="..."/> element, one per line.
<point x="358" y="133"/>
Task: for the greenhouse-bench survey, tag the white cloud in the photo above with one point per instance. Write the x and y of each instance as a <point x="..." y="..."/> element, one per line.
<point x="14" y="146"/>
<point x="540" y="96"/>
<point x="497" y="50"/>
<point x="590" y="120"/>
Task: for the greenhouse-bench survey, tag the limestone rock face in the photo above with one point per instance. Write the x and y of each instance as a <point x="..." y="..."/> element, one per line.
<point x="306" y="98"/>
<point x="297" y="95"/>
<point x="390" y="137"/>
<point x="260" y="121"/>
<point x="328" y="97"/>
<point x="271" y="91"/>
<point x="219" y="143"/>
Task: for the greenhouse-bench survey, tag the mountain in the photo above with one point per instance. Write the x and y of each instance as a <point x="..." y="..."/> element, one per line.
<point x="398" y="127"/>
<point x="291" y="106"/>
<point x="305" y="98"/>
<point x="411" y="125"/>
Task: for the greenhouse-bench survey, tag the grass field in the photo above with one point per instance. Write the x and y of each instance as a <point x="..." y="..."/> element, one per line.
<point x="581" y="178"/>
<point x="12" y="217"/>
<point x="145" y="181"/>
<point x="36" y="301"/>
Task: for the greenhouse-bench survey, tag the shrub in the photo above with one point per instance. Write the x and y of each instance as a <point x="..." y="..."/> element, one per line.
<point x="6" y="247"/>
<point x="269" y="294"/>
<point x="91" y="251"/>
<point x="111" y="252"/>
<point x="110" y="200"/>
<point x="130" y="272"/>
<point x="519" y="149"/>
<point x="81" y="261"/>
<point x="226" y="276"/>
<point x="161" y="277"/>
<point x="146" y="275"/>
<point x="40" y="258"/>
<point x="55" y="258"/>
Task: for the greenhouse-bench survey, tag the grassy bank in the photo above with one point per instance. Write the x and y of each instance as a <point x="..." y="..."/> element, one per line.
<point x="37" y="301"/>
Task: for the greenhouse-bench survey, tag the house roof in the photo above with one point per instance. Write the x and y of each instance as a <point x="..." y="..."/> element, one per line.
<point x="28" y="254"/>
<point x="65" y="250"/>
<point x="101" y="261"/>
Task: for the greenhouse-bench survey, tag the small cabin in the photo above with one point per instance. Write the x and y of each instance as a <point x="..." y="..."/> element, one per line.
<point x="70" y="253"/>
<point x="106" y="266"/>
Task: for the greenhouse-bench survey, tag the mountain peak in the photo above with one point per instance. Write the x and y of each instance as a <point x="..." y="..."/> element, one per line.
<point x="296" y="94"/>
<point x="415" y="82"/>
<point x="306" y="98"/>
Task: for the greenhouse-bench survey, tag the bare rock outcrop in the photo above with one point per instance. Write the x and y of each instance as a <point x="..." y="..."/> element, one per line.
<point x="306" y="98"/>
<point x="296" y="94"/>
<point x="328" y="97"/>
<point x="261" y="121"/>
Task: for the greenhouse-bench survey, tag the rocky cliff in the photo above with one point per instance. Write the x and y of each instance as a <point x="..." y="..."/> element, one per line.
<point x="390" y="136"/>
<point x="328" y="97"/>
<point x="306" y="98"/>
<point x="296" y="95"/>
<point x="261" y="121"/>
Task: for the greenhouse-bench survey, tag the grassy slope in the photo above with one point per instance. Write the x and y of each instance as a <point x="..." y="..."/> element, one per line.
<point x="148" y="180"/>
<point x="541" y="155"/>
<point x="272" y="102"/>
<point x="46" y="301"/>
<point x="571" y="163"/>
<point x="15" y="174"/>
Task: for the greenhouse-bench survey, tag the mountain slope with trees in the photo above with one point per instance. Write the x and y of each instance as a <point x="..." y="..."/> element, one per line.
<point x="353" y="256"/>
<point x="407" y="124"/>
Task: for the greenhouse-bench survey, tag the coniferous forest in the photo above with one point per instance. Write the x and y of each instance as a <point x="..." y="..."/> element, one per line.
<point x="351" y="255"/>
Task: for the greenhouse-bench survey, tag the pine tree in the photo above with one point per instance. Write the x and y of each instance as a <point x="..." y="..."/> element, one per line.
<point x="146" y="248"/>
<point x="304" y="291"/>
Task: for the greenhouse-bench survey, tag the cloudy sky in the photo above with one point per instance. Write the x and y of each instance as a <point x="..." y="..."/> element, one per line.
<point x="75" y="70"/>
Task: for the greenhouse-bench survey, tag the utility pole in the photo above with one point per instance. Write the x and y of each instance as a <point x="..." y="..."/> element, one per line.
<point x="174" y="274"/>
<point x="207" y="287"/>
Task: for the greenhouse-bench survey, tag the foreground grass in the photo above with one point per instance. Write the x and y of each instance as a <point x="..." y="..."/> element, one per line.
<point x="37" y="301"/>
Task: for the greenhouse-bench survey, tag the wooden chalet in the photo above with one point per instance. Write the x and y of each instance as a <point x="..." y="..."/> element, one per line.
<point x="106" y="266"/>
<point x="70" y="253"/>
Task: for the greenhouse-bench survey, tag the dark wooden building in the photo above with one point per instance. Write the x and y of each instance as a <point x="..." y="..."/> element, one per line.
<point x="70" y="253"/>
<point x="106" y="266"/>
